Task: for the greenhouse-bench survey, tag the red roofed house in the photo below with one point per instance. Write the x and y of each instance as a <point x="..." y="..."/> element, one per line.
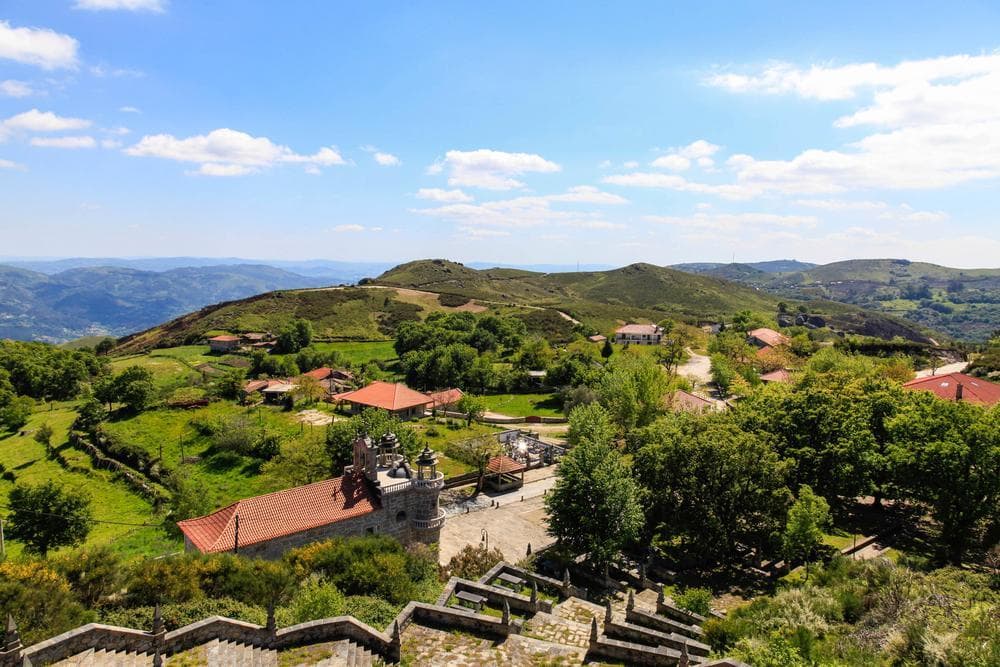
<point x="223" y="343"/>
<point x="447" y="398"/>
<point x="319" y="373"/>
<point x="765" y="337"/>
<point x="639" y="334"/>
<point x="597" y="338"/>
<point x="780" y="375"/>
<point x="958" y="387"/>
<point x="395" y="398"/>
<point x="504" y="473"/>
<point x="379" y="493"/>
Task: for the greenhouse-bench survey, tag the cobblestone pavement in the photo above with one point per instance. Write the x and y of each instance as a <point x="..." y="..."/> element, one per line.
<point x="423" y="645"/>
<point x="511" y="527"/>
<point x="559" y="630"/>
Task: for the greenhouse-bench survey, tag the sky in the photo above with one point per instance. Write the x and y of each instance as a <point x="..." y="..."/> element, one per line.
<point x="535" y="132"/>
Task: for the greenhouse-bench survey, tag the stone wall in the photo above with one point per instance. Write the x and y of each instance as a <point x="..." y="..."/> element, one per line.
<point x="661" y="623"/>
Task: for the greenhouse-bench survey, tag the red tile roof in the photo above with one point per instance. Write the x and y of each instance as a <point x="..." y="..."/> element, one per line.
<point x="274" y="515"/>
<point x="769" y="337"/>
<point x="440" y="399"/>
<point x="225" y="339"/>
<point x="597" y="338"/>
<point x="319" y="373"/>
<point x="386" y="395"/>
<point x="255" y="385"/>
<point x="504" y="464"/>
<point x="974" y="390"/>
<point x="685" y="401"/>
<point x="780" y="375"/>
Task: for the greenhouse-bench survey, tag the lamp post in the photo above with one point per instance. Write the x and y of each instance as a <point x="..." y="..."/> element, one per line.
<point x="485" y="538"/>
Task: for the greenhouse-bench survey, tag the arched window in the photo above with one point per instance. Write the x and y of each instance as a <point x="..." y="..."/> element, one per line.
<point x="400" y="516"/>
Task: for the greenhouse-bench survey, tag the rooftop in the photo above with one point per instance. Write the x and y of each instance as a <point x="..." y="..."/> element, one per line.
<point x="648" y="329"/>
<point x="780" y="375"/>
<point x="685" y="401"/>
<point x="273" y="515"/>
<point x="387" y="396"/>
<point x="504" y="464"/>
<point x="769" y="336"/>
<point x="225" y="339"/>
<point x="974" y="390"/>
<point x="445" y="397"/>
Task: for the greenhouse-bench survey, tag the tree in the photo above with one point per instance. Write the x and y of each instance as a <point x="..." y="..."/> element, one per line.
<point x="105" y="345"/>
<point x="16" y="412"/>
<point x="607" y="350"/>
<point x="230" y="385"/>
<point x="473" y="561"/>
<point x="594" y="508"/>
<point x="742" y="320"/>
<point x="43" y="436"/>
<point x="477" y="453"/>
<point x="473" y="406"/>
<point x="134" y="388"/>
<point x="47" y="516"/>
<point x="188" y="499"/>
<point x="590" y="423"/>
<point x="808" y="516"/>
<point x="710" y="485"/>
<point x="308" y="389"/>
<point x="947" y="454"/>
<point x="633" y="390"/>
<point x="295" y="336"/>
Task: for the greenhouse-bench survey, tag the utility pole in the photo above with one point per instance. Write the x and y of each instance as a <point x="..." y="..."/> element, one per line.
<point x="236" y="538"/>
<point x="3" y="547"/>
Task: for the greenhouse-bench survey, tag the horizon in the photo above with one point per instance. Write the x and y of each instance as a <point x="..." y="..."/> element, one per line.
<point x="605" y="135"/>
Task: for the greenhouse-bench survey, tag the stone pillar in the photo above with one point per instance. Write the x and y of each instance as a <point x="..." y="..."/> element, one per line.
<point x="534" y="594"/>
<point x="685" y="659"/>
<point x="10" y="653"/>
<point x="607" y="611"/>
<point x="566" y="582"/>
<point x="506" y="613"/>
<point x="593" y="631"/>
<point x="660" y="600"/>
<point x="395" y="642"/>
<point x="631" y="600"/>
<point x="272" y="624"/>
<point x="159" y="634"/>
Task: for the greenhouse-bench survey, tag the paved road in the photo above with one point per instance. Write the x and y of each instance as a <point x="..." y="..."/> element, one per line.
<point x="697" y="366"/>
<point x="511" y="527"/>
<point x="957" y="367"/>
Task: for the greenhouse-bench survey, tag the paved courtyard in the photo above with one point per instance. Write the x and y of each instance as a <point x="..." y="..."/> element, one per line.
<point x="511" y="527"/>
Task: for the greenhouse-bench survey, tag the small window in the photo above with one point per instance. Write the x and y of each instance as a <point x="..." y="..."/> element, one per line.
<point x="400" y="517"/>
<point x="370" y="530"/>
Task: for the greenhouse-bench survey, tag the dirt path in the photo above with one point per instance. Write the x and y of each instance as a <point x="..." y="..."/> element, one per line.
<point x="697" y="366"/>
<point x="956" y="367"/>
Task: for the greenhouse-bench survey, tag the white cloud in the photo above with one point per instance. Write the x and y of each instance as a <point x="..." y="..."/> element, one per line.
<point x="938" y="125"/>
<point x="631" y="164"/>
<point x="437" y="194"/>
<point x="40" y="121"/>
<point x="382" y="158"/>
<point x="731" y="222"/>
<point x="675" y="182"/>
<point x="129" y="110"/>
<point x="7" y="164"/>
<point x="38" y="46"/>
<point x="117" y="131"/>
<point x="12" y="88"/>
<point x="110" y="143"/>
<point x="349" y="228"/>
<point x="64" y="142"/>
<point x="489" y="169"/>
<point x="531" y="211"/>
<point x="671" y="162"/>
<point x="155" y="6"/>
<point x="698" y="149"/>
<point x="226" y="152"/>
<point x="478" y="233"/>
<point x="842" y="204"/>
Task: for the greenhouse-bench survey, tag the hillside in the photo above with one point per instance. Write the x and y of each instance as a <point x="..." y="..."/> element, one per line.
<point x="771" y="266"/>
<point x="87" y="301"/>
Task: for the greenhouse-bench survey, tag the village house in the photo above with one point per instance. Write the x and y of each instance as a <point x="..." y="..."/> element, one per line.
<point x="685" y="401"/>
<point x="446" y="399"/>
<point x="764" y="338"/>
<point x="224" y="343"/>
<point x="597" y="338"/>
<point x="380" y="493"/>
<point x="395" y="398"/>
<point x="639" y="334"/>
<point x="781" y="376"/>
<point x="958" y="387"/>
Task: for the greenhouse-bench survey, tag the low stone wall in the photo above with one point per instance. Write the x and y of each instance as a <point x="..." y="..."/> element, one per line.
<point x="678" y="614"/>
<point x="547" y="583"/>
<point x="662" y="624"/>
<point x="447" y="617"/>
<point x="628" y="653"/>
<point x="495" y="595"/>
<point x="215" y="627"/>
<point x="84" y="638"/>
<point x="334" y="629"/>
<point x="638" y="634"/>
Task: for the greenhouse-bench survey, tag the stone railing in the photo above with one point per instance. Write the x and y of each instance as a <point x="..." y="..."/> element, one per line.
<point x="436" y="482"/>
<point x="495" y="595"/>
<point x="395" y="488"/>
<point x="430" y="524"/>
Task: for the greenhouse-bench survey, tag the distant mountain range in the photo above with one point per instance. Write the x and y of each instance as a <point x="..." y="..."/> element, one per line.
<point x="962" y="303"/>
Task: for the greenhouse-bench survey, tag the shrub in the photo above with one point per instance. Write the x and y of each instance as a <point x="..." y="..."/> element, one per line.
<point x="40" y="599"/>
<point x="473" y="561"/>
<point x="315" y="599"/>
<point x="176" y="615"/>
<point x="92" y="573"/>
<point x="697" y="600"/>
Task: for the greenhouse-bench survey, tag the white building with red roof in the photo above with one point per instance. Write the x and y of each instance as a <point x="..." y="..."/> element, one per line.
<point x="223" y="343"/>
<point x="958" y="387"/>
<point x="765" y="337"/>
<point x="639" y="334"/>
<point x="395" y="398"/>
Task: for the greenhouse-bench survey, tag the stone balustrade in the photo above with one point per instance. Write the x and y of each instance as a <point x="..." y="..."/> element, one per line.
<point x="430" y="524"/>
<point x="435" y="483"/>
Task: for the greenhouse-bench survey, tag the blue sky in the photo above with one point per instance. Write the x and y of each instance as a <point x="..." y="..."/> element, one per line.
<point x="517" y="132"/>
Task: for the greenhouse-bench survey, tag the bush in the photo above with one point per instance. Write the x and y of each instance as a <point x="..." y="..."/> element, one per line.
<point x="177" y="615"/>
<point x="40" y="599"/>
<point x="697" y="600"/>
<point x="315" y="599"/>
<point x="92" y="574"/>
<point x="473" y="561"/>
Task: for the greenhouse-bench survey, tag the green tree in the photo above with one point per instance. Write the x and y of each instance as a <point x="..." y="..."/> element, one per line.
<point x="947" y="454"/>
<point x="633" y="390"/>
<point x="47" y="516"/>
<point x="105" y="345"/>
<point x="134" y="388"/>
<point x="808" y="516"/>
<point x="230" y="385"/>
<point x="607" y="350"/>
<point x="308" y="389"/>
<point x="473" y="406"/>
<point x="16" y="412"/>
<point x="477" y="453"/>
<point x="590" y="423"/>
<point x="710" y="485"/>
<point x="43" y="436"/>
<point x="295" y="336"/>
<point x="594" y="508"/>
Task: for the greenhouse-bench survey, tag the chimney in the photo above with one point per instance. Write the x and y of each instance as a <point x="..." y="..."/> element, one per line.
<point x="958" y="391"/>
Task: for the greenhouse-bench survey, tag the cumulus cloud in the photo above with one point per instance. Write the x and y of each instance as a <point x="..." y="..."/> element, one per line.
<point x="129" y="110"/>
<point x="226" y="152"/>
<point x="489" y="169"/>
<point x="734" y="222"/>
<point x="40" y="121"/>
<point x="675" y="182"/>
<point x="680" y="158"/>
<point x="532" y="211"/>
<point x="382" y="158"/>
<point x="437" y="194"/>
<point x="936" y="123"/>
<point x="7" y="164"/>
<point x="38" y="46"/>
<point x="12" y="88"/>
<point x="64" y="142"/>
<point x="348" y="228"/>
<point x="155" y="6"/>
<point x="671" y="162"/>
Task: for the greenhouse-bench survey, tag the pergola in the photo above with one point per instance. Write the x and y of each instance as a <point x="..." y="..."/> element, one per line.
<point x="504" y="473"/>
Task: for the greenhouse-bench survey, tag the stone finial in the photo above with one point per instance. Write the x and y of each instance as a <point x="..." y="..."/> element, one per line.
<point x="685" y="659"/>
<point x="566" y="582"/>
<point x="157" y="658"/>
<point x="272" y="624"/>
<point x="157" y="620"/>
<point x="593" y="630"/>
<point x="534" y="592"/>
<point x="11" y="637"/>
<point x="528" y="553"/>
<point x="607" y="610"/>
<point x="660" y="599"/>
<point x="631" y="600"/>
<point x="396" y="634"/>
<point x="506" y="613"/>
<point x="642" y="574"/>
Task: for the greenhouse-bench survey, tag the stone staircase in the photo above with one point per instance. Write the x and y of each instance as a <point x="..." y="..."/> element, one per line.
<point x="221" y="653"/>
<point x="102" y="658"/>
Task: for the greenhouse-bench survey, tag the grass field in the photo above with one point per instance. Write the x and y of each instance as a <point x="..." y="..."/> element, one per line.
<point x="524" y="405"/>
<point x="112" y="501"/>
<point x="360" y="353"/>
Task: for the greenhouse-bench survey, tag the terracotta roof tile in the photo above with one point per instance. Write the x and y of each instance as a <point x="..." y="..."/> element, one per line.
<point x="386" y="395"/>
<point x="648" y="329"/>
<point x="974" y="390"/>
<point x="440" y="399"/>
<point x="319" y="373"/>
<point x="504" y="464"/>
<point x="780" y="375"/>
<point x="769" y="337"/>
<point x="225" y="339"/>
<point x="685" y="401"/>
<point x="273" y="515"/>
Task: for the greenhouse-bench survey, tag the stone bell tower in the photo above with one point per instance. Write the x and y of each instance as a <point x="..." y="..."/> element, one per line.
<point x="428" y="517"/>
